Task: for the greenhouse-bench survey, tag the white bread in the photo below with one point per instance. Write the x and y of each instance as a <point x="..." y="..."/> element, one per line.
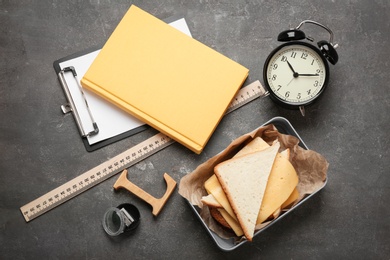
<point x="244" y="180"/>
<point x="210" y="201"/>
<point x="257" y="144"/>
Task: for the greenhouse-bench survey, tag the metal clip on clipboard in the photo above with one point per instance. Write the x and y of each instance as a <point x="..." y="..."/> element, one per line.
<point x="70" y="107"/>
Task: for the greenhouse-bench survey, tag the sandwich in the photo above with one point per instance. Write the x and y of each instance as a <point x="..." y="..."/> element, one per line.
<point x="253" y="186"/>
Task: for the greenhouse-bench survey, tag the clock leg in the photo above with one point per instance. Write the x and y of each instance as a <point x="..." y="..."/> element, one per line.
<point x="302" y="109"/>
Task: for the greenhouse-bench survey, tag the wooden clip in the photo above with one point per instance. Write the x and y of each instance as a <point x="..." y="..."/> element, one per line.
<point x="157" y="204"/>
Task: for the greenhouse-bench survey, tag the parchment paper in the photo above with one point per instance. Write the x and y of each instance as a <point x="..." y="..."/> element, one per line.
<point x="310" y="166"/>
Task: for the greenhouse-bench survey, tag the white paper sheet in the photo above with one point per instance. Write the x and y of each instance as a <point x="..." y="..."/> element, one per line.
<point x="110" y="120"/>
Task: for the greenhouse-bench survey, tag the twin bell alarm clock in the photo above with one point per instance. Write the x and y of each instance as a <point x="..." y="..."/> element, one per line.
<point x="296" y="73"/>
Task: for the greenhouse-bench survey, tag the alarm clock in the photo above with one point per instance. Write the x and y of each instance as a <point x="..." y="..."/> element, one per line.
<point x="296" y="73"/>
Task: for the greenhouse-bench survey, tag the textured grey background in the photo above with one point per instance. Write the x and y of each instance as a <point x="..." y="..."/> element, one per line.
<point x="40" y="148"/>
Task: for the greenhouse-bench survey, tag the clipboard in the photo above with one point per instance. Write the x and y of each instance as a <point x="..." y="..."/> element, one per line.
<point x="99" y="122"/>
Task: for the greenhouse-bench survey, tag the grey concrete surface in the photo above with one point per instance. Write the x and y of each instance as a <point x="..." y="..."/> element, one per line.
<point x="40" y="148"/>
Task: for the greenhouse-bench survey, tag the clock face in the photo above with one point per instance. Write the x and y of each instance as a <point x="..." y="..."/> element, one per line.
<point x="296" y="73"/>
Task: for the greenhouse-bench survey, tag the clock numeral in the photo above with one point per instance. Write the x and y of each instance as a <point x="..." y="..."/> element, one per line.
<point x="315" y="83"/>
<point x="293" y="54"/>
<point x="274" y="77"/>
<point x="275" y="66"/>
<point x="279" y="87"/>
<point x="318" y="70"/>
<point x="284" y="58"/>
<point x="304" y="55"/>
<point x="287" y="94"/>
<point x="309" y="92"/>
<point x="299" y="96"/>
<point x="312" y="62"/>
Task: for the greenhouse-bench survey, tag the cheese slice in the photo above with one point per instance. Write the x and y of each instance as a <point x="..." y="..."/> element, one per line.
<point x="232" y="222"/>
<point x="213" y="187"/>
<point x="276" y="213"/>
<point x="244" y="180"/>
<point x="281" y="183"/>
<point x="293" y="197"/>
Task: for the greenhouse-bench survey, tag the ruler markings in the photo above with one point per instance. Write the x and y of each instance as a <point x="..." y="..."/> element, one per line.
<point x="120" y="162"/>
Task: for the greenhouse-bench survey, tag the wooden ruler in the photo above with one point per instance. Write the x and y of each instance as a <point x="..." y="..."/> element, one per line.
<point x="120" y="162"/>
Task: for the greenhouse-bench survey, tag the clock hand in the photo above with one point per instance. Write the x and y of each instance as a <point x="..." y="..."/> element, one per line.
<point x="296" y="75"/>
<point x="308" y="75"/>
<point x="292" y="69"/>
<point x="290" y="81"/>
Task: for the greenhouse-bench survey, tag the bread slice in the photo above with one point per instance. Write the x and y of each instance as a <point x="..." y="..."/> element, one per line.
<point x="244" y="180"/>
<point x="210" y="201"/>
<point x="257" y="144"/>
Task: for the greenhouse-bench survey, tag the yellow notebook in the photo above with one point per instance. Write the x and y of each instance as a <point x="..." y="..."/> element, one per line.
<point x="165" y="78"/>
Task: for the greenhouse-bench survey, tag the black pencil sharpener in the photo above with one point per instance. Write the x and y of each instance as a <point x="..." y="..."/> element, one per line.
<point x="124" y="218"/>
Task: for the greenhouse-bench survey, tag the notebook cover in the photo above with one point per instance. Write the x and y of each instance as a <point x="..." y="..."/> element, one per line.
<point x="165" y="78"/>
